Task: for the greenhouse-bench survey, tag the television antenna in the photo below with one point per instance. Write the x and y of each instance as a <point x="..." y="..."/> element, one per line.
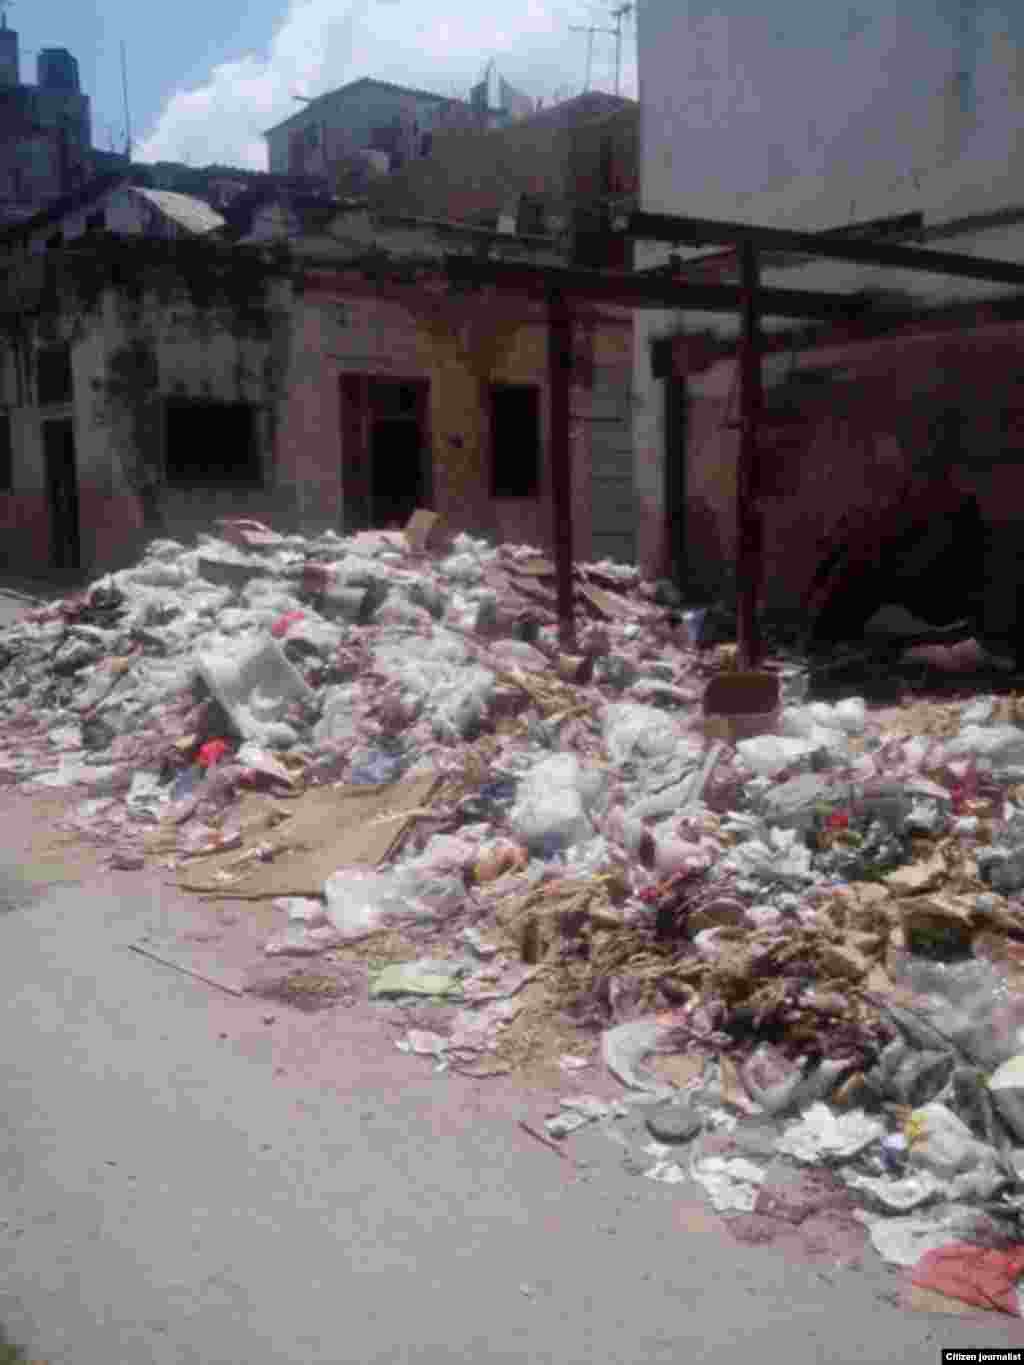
<point x="619" y="13"/>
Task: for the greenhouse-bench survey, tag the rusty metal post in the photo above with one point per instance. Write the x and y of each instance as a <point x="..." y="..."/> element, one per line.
<point x="749" y="549"/>
<point x="559" y="379"/>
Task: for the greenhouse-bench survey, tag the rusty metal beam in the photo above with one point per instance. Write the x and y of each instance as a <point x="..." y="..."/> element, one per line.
<point x="637" y="291"/>
<point x="716" y="264"/>
<point x="679" y="231"/>
<point x="749" y="528"/>
<point x="559" y="381"/>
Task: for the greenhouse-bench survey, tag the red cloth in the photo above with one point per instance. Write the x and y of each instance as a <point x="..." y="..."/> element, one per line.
<point x="977" y="1275"/>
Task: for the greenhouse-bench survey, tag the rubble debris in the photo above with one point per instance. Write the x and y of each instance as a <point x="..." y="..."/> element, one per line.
<point x="814" y="919"/>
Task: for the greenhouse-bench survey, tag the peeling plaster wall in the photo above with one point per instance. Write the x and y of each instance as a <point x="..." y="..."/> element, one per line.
<point x="350" y="327"/>
<point x="131" y="351"/>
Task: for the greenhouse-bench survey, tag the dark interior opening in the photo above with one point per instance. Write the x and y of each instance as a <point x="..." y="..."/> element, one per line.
<point x="6" y="454"/>
<point x="62" y="490"/>
<point x="515" y="441"/>
<point x="212" y="445"/>
<point x="53" y="375"/>
<point x="398" y="474"/>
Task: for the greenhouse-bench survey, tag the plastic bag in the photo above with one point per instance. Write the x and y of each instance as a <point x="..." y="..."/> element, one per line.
<point x="822" y="1136"/>
<point x="375" y="767"/>
<point x="428" y="977"/>
<point x="942" y="1143"/>
<point x="633" y="733"/>
<point x="999" y="744"/>
<point x="769" y="755"/>
<point x="733" y="1183"/>
<point x="551" y="812"/>
<point x="361" y="900"/>
<point x="625" y="1047"/>
<point x="299" y="940"/>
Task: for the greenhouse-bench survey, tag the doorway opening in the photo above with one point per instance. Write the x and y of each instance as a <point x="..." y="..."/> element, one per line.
<point x="386" y="472"/>
<point x="62" y="493"/>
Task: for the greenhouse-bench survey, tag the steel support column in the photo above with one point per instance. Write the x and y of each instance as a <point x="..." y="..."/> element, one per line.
<point x="749" y="529"/>
<point x="559" y="380"/>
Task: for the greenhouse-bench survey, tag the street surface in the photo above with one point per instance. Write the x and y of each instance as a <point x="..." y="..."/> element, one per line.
<point x="298" y="1191"/>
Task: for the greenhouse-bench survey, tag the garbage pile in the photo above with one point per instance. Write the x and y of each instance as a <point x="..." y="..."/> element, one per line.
<point x="561" y="855"/>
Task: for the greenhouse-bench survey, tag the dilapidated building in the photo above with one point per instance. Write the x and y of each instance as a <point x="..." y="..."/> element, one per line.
<point x="150" y="383"/>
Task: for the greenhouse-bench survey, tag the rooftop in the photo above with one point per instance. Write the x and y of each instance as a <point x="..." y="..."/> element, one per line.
<point x="361" y="84"/>
<point x="191" y="214"/>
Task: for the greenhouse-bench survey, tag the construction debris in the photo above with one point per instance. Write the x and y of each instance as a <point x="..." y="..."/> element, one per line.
<point x="813" y="922"/>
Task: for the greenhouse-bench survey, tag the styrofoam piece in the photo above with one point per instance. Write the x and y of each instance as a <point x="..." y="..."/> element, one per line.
<point x="254" y="683"/>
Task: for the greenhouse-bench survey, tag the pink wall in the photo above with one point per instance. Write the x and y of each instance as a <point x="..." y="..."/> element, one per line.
<point x="857" y="442"/>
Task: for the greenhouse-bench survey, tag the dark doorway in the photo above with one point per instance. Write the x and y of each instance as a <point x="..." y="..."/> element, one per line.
<point x="62" y="492"/>
<point x="385" y="450"/>
<point x="515" y="441"/>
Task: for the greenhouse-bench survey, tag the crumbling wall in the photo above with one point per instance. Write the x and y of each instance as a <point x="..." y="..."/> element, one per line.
<point x="147" y="323"/>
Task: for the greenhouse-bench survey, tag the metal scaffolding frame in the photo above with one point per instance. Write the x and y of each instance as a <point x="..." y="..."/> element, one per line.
<point x="750" y="300"/>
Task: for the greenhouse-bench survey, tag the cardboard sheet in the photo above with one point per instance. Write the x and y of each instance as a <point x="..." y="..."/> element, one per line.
<point x="327" y="828"/>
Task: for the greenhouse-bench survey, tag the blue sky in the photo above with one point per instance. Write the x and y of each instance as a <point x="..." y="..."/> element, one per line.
<point x="206" y="77"/>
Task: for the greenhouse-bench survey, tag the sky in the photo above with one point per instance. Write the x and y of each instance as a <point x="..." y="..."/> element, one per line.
<point x="207" y="77"/>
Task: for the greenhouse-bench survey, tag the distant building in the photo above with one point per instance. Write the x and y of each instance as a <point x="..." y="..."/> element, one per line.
<point x="559" y="169"/>
<point x="372" y="122"/>
<point x="45" y="130"/>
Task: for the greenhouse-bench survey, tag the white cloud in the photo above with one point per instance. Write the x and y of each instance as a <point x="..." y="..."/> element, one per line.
<point x="410" y="42"/>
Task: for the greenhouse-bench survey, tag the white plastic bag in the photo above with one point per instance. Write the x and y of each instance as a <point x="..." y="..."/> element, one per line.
<point x="633" y="732"/>
<point x="942" y="1143"/>
<point x="820" y="1135"/>
<point x="999" y="744"/>
<point x="769" y="755"/>
<point x="550" y="814"/>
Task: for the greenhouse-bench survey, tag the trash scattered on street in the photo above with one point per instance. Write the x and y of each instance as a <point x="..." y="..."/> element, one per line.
<point x="822" y="1136"/>
<point x="731" y="1183"/>
<point x="806" y="924"/>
